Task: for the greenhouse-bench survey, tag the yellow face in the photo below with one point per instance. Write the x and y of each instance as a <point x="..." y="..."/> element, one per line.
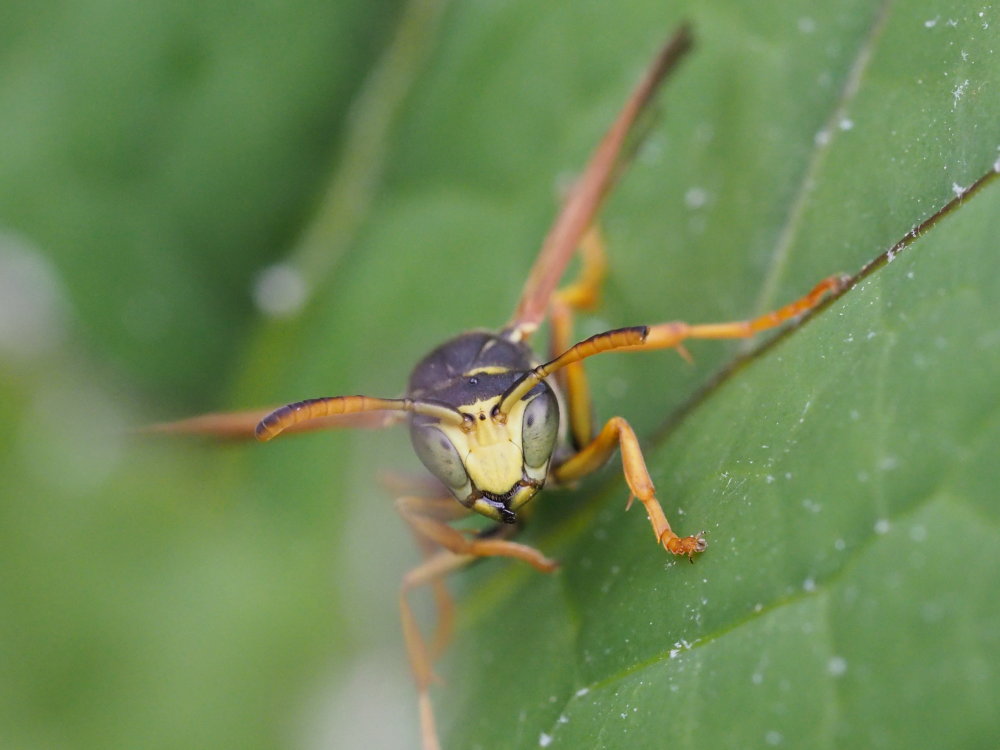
<point x="493" y="462"/>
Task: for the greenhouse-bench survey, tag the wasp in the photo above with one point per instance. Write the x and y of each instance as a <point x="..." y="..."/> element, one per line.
<point x="495" y="423"/>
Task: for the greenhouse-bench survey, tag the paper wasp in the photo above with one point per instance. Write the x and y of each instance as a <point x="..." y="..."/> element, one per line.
<point x="494" y="422"/>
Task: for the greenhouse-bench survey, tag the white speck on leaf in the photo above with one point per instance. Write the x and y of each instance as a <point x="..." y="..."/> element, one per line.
<point x="931" y="23"/>
<point x="837" y="666"/>
<point x="696" y="197"/>
<point x="957" y="189"/>
<point x="958" y="92"/>
<point x="544" y="740"/>
<point x="888" y="463"/>
<point x="882" y="526"/>
<point x="33" y="304"/>
<point x="280" y="291"/>
<point x="918" y="533"/>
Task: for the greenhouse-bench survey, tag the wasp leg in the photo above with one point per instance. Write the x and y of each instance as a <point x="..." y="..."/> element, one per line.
<point x="665" y="335"/>
<point x="431" y="572"/>
<point x="586" y="196"/>
<point x="617" y="432"/>
<point x="582" y="294"/>
<point x="443" y="509"/>
<point x="427" y="517"/>
<point x="585" y="292"/>
<point x="415" y="511"/>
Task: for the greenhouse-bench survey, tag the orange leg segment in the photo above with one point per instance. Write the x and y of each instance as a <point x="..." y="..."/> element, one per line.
<point x="428" y="518"/>
<point x="585" y="292"/>
<point x="672" y="334"/>
<point x="617" y="432"/>
<point x="665" y="335"/>
<point x="430" y="572"/>
<point x="582" y="294"/>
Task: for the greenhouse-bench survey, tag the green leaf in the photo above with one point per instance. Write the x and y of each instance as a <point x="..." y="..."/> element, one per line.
<point x="162" y="594"/>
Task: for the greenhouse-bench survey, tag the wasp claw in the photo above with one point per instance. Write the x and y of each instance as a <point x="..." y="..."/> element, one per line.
<point x="687" y="546"/>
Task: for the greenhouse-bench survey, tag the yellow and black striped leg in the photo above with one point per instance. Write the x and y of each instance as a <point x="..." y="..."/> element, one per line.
<point x="618" y="433"/>
<point x="427" y="517"/>
<point x="582" y="294"/>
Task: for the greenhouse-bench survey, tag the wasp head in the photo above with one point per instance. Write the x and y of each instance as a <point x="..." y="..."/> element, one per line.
<point x="495" y="460"/>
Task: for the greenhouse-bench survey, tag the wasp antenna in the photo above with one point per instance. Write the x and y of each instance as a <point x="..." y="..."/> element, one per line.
<point x="289" y="415"/>
<point x="619" y="338"/>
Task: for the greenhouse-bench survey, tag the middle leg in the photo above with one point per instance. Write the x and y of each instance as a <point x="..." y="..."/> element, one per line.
<point x="583" y="294"/>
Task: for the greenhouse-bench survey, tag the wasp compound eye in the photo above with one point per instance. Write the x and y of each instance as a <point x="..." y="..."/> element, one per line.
<point x="539" y="428"/>
<point x="438" y="454"/>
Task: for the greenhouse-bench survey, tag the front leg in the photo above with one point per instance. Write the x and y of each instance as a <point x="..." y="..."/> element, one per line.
<point x="617" y="432"/>
<point x="428" y="517"/>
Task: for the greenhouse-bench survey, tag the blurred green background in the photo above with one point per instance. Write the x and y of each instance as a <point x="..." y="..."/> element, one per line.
<point x="400" y="162"/>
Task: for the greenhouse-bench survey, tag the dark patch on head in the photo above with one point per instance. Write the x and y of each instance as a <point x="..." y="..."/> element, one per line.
<point x="440" y="376"/>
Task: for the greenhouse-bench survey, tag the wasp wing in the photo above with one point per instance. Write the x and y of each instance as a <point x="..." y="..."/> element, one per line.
<point x="585" y="198"/>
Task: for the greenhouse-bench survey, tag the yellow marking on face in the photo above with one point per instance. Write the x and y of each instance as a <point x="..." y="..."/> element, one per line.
<point x="488" y="370"/>
<point x="491" y="448"/>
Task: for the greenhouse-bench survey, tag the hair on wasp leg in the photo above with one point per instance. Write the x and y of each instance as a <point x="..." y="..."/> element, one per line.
<point x="487" y="416"/>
